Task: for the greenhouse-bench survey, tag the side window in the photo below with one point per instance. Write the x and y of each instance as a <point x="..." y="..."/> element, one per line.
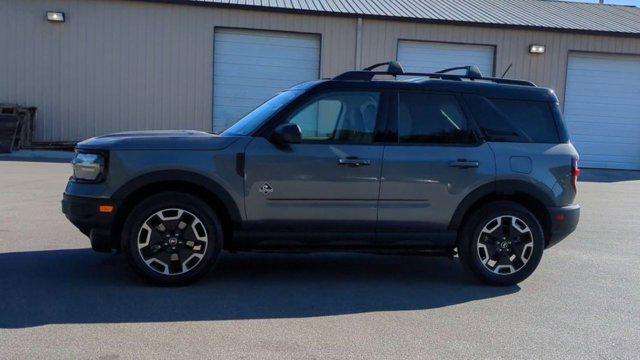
<point x="506" y="120"/>
<point x="348" y="117"/>
<point x="531" y="119"/>
<point x="433" y="119"/>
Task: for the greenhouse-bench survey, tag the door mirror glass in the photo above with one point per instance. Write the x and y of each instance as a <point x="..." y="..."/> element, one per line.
<point x="287" y="134"/>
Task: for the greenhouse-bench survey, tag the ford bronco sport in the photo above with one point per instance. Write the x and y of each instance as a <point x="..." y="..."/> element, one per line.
<point x="428" y="163"/>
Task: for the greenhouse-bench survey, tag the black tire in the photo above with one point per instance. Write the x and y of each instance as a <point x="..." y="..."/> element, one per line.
<point x="499" y="249"/>
<point x="189" y="241"/>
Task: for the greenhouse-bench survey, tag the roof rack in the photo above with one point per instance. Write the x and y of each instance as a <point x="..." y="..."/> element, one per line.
<point x="395" y="69"/>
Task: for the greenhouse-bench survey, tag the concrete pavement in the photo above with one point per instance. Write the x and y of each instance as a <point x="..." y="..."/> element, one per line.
<point x="58" y="299"/>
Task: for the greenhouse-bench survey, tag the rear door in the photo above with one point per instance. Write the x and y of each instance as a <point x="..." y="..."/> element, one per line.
<point x="328" y="183"/>
<point x="434" y="163"/>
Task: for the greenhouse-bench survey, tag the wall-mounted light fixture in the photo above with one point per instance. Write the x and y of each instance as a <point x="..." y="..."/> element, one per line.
<point x="55" y="16"/>
<point x="537" y="49"/>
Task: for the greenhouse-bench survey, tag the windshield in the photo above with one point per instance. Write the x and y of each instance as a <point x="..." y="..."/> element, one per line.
<point x="253" y="120"/>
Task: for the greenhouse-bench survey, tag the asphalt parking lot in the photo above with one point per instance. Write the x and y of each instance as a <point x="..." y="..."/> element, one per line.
<point x="58" y="299"/>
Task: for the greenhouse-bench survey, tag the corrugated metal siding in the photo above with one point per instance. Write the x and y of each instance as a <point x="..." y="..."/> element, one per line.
<point x="525" y="13"/>
<point x="122" y="65"/>
<point x="380" y="39"/>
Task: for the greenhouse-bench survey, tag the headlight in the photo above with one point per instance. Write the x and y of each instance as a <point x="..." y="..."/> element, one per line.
<point x="88" y="166"/>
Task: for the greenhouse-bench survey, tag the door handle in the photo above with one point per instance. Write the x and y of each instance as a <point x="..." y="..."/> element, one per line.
<point x="353" y="162"/>
<point x="464" y="164"/>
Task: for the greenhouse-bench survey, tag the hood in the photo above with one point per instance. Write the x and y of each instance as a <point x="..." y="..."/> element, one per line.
<point x="158" y="140"/>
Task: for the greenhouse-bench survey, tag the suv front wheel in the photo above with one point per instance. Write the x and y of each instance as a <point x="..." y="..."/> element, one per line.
<point x="501" y="243"/>
<point x="172" y="238"/>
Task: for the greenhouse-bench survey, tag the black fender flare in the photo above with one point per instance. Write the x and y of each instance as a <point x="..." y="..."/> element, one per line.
<point x="500" y="187"/>
<point x="202" y="181"/>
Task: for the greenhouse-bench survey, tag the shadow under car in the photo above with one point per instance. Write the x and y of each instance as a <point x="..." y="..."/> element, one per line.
<point x="79" y="286"/>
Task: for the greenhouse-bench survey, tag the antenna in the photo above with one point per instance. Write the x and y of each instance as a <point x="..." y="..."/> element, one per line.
<point x="506" y="71"/>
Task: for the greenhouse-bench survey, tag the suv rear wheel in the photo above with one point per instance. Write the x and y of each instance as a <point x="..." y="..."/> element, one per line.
<point x="172" y="238"/>
<point x="501" y="243"/>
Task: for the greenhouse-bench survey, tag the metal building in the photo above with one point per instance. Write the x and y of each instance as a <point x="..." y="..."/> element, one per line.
<point x="100" y="66"/>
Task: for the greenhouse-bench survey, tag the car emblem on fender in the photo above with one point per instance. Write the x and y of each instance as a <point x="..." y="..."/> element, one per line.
<point x="266" y="189"/>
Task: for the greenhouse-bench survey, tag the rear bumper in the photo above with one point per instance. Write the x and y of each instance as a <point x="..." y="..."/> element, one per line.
<point x="84" y="213"/>
<point x="564" y="221"/>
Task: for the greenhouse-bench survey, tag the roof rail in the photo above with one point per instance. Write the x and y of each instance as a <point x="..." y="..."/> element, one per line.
<point x="394" y="69"/>
<point x="472" y="71"/>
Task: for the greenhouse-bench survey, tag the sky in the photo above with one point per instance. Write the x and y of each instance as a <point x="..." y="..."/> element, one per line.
<point x="620" y="2"/>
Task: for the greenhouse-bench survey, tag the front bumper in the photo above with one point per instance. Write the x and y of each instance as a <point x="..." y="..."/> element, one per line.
<point x="84" y="213"/>
<point x="564" y="221"/>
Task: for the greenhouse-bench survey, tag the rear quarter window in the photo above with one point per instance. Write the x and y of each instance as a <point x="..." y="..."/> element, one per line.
<point x="511" y="120"/>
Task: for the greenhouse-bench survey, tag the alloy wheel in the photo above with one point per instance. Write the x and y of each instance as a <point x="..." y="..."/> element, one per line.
<point x="505" y="245"/>
<point x="172" y="241"/>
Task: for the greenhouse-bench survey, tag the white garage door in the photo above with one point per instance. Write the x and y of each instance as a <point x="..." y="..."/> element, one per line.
<point x="602" y="109"/>
<point x="420" y="56"/>
<point x="252" y="66"/>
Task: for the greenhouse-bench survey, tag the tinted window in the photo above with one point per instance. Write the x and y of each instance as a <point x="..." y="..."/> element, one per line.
<point x="339" y="117"/>
<point x="515" y="120"/>
<point x="431" y="118"/>
<point x="253" y="120"/>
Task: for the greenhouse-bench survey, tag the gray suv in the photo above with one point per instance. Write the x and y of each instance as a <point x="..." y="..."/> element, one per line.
<point x="420" y="163"/>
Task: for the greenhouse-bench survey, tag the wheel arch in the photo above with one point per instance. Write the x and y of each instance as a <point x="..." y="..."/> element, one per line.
<point x="521" y="192"/>
<point x="201" y="186"/>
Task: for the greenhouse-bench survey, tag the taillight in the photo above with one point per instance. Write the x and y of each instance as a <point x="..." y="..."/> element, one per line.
<point x="575" y="172"/>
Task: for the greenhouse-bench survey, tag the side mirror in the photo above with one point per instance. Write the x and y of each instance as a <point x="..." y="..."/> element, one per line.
<point x="287" y="134"/>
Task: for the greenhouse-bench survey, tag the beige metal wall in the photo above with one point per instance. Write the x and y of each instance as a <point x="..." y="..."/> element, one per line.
<point x="380" y="41"/>
<point x="123" y="65"/>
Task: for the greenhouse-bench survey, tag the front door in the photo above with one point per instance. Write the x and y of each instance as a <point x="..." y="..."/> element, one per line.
<point x="436" y="161"/>
<point x="328" y="183"/>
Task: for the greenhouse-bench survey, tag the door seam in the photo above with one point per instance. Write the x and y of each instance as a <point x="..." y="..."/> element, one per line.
<point x="380" y="179"/>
